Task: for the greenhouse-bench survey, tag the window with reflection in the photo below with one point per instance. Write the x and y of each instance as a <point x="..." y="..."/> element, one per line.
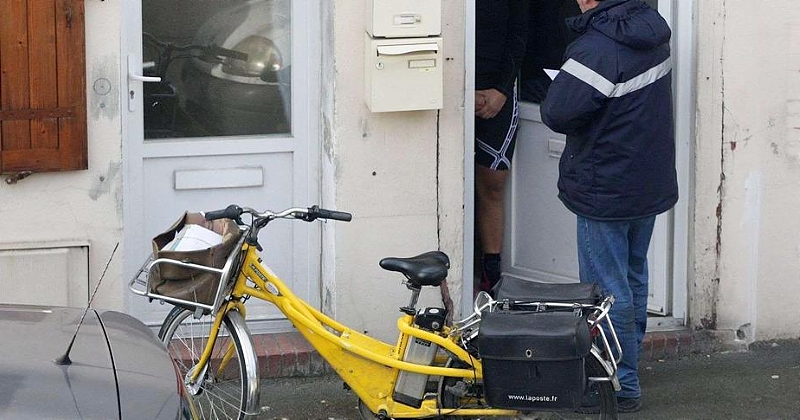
<point x="225" y="67"/>
<point x="548" y="37"/>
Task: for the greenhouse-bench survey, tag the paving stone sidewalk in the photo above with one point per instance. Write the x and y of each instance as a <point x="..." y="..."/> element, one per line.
<point x="762" y="383"/>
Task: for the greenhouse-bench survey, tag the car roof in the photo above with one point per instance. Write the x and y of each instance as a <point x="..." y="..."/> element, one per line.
<point x="31" y="338"/>
<point x="112" y="352"/>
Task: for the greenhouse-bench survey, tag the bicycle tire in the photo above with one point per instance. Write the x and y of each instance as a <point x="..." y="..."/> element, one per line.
<point x="230" y="394"/>
<point x="607" y="395"/>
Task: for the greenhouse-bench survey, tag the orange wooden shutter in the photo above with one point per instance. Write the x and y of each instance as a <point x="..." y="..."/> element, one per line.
<point x="42" y="86"/>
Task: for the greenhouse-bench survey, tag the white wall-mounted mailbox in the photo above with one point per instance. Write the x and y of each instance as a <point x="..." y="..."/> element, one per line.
<point x="403" y="74"/>
<point x="404" y="18"/>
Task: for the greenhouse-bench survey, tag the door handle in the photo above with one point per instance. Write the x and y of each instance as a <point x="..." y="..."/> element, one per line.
<point x="141" y="78"/>
<point x="138" y="77"/>
<point x="132" y="75"/>
<point x="555" y="147"/>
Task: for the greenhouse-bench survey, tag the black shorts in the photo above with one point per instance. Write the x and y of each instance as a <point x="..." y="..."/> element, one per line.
<point x="495" y="138"/>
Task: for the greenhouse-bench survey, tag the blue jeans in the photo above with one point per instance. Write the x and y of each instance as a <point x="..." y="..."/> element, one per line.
<point x="613" y="254"/>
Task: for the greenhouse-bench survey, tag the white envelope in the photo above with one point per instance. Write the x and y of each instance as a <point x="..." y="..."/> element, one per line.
<point x="192" y="238"/>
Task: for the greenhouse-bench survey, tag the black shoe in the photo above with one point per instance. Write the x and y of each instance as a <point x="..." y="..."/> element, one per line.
<point x="490" y="272"/>
<point x="628" y="405"/>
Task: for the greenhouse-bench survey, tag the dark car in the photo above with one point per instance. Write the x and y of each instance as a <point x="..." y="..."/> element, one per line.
<point x="118" y="369"/>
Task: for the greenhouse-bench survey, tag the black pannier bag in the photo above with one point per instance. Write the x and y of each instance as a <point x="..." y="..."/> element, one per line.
<point x="524" y="290"/>
<point x="534" y="360"/>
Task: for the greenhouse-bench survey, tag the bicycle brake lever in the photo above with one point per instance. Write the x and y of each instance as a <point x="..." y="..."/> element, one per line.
<point x="311" y="215"/>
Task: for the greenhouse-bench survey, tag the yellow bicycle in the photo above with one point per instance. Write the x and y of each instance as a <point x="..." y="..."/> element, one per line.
<point x="433" y="370"/>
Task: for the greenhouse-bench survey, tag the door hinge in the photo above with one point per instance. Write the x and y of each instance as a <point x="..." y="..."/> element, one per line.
<point x="18" y="176"/>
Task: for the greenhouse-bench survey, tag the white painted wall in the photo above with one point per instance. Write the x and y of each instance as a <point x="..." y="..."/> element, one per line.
<point x="400" y="174"/>
<point x="746" y="229"/>
<point x="744" y="279"/>
<point x="80" y="207"/>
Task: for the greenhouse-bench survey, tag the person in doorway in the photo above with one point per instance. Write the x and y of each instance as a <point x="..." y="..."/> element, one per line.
<point x="613" y="100"/>
<point x="500" y="35"/>
<point x="548" y="37"/>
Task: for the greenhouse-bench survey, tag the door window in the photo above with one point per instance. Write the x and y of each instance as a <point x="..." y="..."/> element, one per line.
<point x="225" y="67"/>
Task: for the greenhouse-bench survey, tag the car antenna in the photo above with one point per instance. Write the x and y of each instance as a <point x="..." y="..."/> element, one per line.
<point x="64" y="359"/>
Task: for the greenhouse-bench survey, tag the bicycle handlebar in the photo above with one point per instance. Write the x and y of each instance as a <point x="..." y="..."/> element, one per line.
<point x="309" y="215"/>
<point x="330" y="214"/>
<point x="231" y="212"/>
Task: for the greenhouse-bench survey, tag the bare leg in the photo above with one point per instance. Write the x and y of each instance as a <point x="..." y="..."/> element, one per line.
<point x="489" y="189"/>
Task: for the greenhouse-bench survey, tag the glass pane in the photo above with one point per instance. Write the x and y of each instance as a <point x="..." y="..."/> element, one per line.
<point x="225" y="67"/>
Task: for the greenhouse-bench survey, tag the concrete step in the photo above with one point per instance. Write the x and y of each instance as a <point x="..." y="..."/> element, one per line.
<point x="290" y="355"/>
<point x="284" y="355"/>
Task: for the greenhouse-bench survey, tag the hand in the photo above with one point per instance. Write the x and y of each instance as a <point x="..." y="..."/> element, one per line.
<point x="488" y="102"/>
<point x="480" y="100"/>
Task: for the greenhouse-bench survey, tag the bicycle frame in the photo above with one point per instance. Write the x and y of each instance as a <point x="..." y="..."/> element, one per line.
<point x="369" y="366"/>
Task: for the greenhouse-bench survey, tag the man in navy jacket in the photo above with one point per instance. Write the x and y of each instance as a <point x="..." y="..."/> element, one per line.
<point x="613" y="100"/>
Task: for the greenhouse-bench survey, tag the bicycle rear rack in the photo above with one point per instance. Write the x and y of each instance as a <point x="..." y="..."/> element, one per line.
<point x="599" y="320"/>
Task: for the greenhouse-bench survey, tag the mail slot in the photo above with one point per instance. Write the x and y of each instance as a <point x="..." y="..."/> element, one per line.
<point x="403" y="74"/>
<point x="404" y="18"/>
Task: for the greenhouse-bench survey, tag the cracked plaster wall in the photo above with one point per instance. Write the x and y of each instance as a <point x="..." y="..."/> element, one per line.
<point x="747" y="174"/>
<point x="51" y="209"/>
<point x="400" y="174"/>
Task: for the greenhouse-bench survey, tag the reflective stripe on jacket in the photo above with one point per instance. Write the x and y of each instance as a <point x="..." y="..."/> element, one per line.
<point x="613" y="100"/>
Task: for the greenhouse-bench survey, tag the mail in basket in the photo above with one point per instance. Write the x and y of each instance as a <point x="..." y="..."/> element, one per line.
<point x="194" y="240"/>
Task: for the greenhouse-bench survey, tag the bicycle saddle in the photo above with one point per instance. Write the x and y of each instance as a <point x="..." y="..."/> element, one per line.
<point x="427" y="269"/>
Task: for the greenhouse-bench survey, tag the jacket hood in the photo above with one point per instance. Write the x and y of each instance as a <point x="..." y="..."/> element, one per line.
<point x="628" y="22"/>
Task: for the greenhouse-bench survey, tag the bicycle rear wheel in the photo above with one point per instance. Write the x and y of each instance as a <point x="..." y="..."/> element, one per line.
<point x="228" y="387"/>
<point x="607" y="397"/>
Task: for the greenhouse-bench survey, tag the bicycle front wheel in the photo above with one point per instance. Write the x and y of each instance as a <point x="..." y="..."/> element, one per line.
<point x="228" y="385"/>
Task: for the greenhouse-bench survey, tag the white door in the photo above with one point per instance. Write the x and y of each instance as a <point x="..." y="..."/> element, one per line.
<point x="539" y="239"/>
<point x="219" y="95"/>
<point x="540" y="232"/>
